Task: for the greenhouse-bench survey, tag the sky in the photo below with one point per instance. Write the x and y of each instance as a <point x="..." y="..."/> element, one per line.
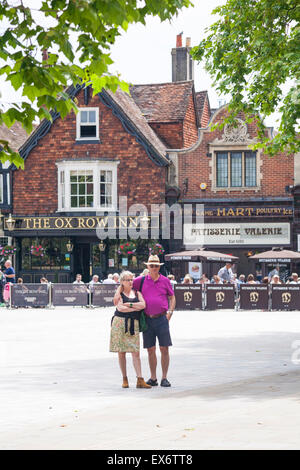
<point x="142" y="54"/>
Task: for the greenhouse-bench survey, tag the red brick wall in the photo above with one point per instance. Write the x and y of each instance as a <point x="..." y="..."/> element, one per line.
<point x="35" y="187"/>
<point x="171" y="133"/>
<point x="276" y="172"/>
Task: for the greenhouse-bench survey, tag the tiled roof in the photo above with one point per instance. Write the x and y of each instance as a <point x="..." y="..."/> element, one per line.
<point x="133" y="112"/>
<point x="15" y="135"/>
<point x="163" y="102"/>
<point x="201" y="96"/>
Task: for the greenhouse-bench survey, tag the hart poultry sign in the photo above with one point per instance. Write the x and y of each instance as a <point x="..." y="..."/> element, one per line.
<point x="81" y="223"/>
<point x="232" y="212"/>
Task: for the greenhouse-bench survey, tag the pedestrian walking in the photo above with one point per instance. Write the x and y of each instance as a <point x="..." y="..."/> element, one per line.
<point x="9" y="272"/>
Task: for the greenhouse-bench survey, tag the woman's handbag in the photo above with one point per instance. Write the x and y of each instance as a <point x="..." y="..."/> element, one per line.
<point x="142" y="322"/>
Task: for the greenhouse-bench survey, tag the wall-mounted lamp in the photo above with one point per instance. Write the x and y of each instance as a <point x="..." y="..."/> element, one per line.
<point x="101" y="246"/>
<point x="69" y="246"/>
<point x="145" y="221"/>
<point x="10" y="223"/>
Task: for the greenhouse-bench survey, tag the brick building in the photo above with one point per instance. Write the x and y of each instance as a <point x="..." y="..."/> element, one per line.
<point x="243" y="196"/>
<point x="152" y="147"/>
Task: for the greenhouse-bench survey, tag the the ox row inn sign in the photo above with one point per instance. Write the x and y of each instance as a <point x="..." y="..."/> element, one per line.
<point x="84" y="222"/>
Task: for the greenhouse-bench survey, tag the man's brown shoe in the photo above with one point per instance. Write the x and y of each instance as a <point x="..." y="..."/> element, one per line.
<point x="141" y="383"/>
<point x="125" y="383"/>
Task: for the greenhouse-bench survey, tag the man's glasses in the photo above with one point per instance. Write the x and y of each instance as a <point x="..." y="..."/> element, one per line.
<point x="153" y="265"/>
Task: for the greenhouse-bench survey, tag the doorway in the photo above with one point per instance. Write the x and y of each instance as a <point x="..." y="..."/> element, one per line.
<point x="82" y="261"/>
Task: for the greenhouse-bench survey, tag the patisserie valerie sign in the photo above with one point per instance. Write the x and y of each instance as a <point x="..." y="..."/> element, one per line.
<point x="236" y="234"/>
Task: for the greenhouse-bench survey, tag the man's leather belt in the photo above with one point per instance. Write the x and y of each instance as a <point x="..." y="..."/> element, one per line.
<point x="157" y="316"/>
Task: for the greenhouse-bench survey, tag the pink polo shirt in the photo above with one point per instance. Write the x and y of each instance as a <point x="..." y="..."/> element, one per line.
<point x="155" y="293"/>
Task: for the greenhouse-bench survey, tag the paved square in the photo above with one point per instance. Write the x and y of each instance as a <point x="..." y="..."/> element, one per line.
<point x="235" y="383"/>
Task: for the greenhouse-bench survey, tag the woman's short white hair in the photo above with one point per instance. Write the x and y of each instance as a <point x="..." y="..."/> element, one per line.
<point x="125" y="274"/>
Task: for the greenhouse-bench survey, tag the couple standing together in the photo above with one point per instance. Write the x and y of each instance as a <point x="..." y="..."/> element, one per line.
<point x="155" y="295"/>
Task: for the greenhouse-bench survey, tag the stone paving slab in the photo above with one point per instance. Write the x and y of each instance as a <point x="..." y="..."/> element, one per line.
<point x="235" y="383"/>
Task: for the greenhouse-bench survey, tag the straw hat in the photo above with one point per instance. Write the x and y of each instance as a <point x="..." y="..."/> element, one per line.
<point x="154" y="259"/>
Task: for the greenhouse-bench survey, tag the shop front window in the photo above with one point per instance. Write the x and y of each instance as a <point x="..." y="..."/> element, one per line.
<point x="44" y="253"/>
<point x="133" y="262"/>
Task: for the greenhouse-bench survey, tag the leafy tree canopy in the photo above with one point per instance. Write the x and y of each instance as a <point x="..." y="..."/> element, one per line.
<point x="95" y="23"/>
<point x="253" y="54"/>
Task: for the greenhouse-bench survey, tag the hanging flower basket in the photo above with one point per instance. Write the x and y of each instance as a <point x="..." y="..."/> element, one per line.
<point x="7" y="250"/>
<point x="37" y="250"/>
<point x="155" y="248"/>
<point x="127" y="248"/>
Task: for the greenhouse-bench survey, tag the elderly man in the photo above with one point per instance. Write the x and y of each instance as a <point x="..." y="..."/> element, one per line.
<point x="9" y="272"/>
<point x="225" y="273"/>
<point x="160" y="303"/>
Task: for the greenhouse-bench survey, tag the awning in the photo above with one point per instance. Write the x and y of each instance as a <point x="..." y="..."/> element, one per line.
<point x="276" y="256"/>
<point x="200" y="255"/>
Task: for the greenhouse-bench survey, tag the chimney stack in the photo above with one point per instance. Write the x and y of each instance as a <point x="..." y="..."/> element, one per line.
<point x="182" y="62"/>
<point x="179" y="40"/>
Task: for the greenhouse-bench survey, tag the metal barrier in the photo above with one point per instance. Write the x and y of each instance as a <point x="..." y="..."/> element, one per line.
<point x="53" y="295"/>
<point x="29" y="295"/>
<point x="285" y="297"/>
<point x="188" y="296"/>
<point x="254" y="297"/>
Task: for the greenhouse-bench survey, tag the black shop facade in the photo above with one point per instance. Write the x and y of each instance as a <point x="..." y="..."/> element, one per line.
<point x="59" y="247"/>
<point x="237" y="228"/>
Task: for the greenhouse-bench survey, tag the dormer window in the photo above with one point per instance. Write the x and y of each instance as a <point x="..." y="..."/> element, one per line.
<point x="87" y="124"/>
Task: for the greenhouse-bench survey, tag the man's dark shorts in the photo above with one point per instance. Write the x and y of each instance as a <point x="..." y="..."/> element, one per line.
<point x="157" y="327"/>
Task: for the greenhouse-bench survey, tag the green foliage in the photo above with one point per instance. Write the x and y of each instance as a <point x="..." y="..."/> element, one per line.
<point x="95" y="23"/>
<point x="253" y="54"/>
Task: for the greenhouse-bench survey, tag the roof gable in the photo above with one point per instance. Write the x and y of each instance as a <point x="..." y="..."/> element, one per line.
<point x="201" y="98"/>
<point x="125" y="109"/>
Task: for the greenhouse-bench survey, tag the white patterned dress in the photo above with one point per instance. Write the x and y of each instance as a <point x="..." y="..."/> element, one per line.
<point x="119" y="340"/>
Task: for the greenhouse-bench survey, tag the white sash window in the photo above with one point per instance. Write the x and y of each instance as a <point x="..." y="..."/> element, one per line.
<point x="87" y="124"/>
<point x="88" y="186"/>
